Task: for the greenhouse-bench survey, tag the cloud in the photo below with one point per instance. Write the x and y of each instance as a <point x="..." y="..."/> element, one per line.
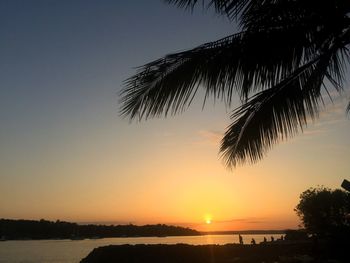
<point x="248" y="220"/>
<point x="209" y="137"/>
<point x="313" y="132"/>
<point x="337" y="147"/>
<point x="331" y="114"/>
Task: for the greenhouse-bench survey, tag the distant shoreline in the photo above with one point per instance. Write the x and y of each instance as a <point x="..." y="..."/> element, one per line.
<point x="21" y="229"/>
<point x="94" y="238"/>
<point x="57" y="230"/>
<point x="43" y="229"/>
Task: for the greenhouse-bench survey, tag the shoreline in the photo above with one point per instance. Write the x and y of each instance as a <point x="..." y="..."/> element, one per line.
<point x="195" y="253"/>
<point x="214" y="233"/>
<point x="183" y="253"/>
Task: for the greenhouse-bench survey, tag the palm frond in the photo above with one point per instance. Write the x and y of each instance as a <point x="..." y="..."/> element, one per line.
<point x="281" y="111"/>
<point x="231" y="8"/>
<point x="242" y="62"/>
<point x="285" y="51"/>
<point x="281" y="9"/>
<point x="274" y="114"/>
<point x="168" y="84"/>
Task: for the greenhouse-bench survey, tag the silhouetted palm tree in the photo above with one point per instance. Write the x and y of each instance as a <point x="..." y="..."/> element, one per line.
<point x="288" y="53"/>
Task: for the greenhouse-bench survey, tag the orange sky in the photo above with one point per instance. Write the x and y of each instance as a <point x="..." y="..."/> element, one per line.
<point x="175" y="177"/>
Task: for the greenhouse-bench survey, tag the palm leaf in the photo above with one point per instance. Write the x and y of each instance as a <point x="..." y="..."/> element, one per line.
<point x="242" y="62"/>
<point x="231" y="8"/>
<point x="169" y="83"/>
<point x="285" y="51"/>
<point x="275" y="114"/>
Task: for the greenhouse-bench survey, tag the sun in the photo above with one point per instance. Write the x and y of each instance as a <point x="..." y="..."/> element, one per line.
<point x="208" y="219"/>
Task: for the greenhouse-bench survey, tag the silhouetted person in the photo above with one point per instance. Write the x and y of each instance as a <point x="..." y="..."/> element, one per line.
<point x="253" y="241"/>
<point x="272" y="239"/>
<point x="240" y="239"/>
<point x="265" y="240"/>
<point x="282" y="238"/>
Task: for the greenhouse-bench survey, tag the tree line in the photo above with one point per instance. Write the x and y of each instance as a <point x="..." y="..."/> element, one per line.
<point x="44" y="229"/>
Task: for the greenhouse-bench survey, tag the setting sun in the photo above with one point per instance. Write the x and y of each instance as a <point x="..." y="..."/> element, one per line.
<point x="208" y="219"/>
<point x="142" y="122"/>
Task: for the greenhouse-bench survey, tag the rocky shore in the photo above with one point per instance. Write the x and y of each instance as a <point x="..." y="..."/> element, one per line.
<point x="270" y="252"/>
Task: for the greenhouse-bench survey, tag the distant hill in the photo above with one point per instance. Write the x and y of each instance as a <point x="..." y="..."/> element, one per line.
<point x="43" y="229"/>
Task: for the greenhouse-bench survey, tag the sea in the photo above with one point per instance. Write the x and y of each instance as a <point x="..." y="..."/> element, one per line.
<point x="72" y="251"/>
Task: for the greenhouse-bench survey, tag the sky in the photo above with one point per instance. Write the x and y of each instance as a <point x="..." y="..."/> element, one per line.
<point x="67" y="154"/>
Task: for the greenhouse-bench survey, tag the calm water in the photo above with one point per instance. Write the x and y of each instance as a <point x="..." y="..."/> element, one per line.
<point x="72" y="251"/>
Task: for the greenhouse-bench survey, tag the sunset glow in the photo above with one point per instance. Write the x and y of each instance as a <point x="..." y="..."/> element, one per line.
<point x="208" y="219"/>
<point x="67" y="154"/>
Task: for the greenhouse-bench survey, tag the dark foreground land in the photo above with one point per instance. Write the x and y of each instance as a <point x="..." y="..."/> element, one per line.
<point x="269" y="252"/>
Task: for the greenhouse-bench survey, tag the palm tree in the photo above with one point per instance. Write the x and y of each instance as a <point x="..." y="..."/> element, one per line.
<point x="282" y="63"/>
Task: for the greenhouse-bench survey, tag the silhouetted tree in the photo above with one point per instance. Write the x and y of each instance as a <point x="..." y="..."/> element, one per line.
<point x="279" y="63"/>
<point x="296" y="235"/>
<point x="43" y="229"/>
<point x="323" y="211"/>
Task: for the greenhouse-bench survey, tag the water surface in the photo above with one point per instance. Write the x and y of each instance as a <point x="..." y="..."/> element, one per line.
<point x="72" y="251"/>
